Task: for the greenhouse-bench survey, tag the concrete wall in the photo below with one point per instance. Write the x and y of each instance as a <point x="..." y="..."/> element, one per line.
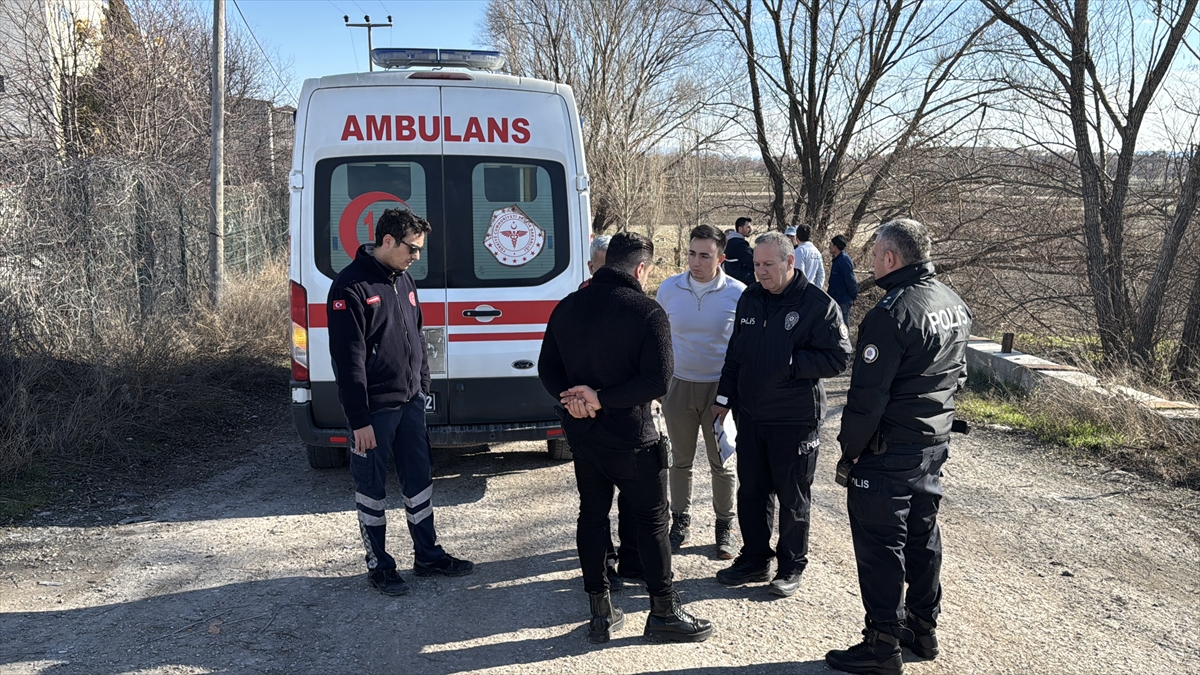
<point x="1027" y="372"/>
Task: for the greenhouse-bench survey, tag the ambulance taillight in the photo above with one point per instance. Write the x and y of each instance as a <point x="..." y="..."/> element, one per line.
<point x="299" y="301"/>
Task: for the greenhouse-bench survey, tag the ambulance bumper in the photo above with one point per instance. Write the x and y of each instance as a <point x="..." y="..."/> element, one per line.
<point x="442" y="435"/>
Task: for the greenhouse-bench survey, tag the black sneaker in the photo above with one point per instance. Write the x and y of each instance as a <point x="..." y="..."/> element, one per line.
<point x="388" y="582"/>
<point x="616" y="583"/>
<point x="785" y="584"/>
<point x="743" y="571"/>
<point x="681" y="531"/>
<point x="448" y="566"/>
<point x="629" y="579"/>
<point x="877" y="654"/>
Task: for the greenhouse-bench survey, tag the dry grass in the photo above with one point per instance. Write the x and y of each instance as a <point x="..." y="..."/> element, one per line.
<point x="1087" y="423"/>
<point x="154" y="386"/>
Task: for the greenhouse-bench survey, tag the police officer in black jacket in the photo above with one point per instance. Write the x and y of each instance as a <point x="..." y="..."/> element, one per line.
<point x="606" y="355"/>
<point x="382" y="374"/>
<point x="787" y="335"/>
<point x="739" y="257"/>
<point x="895" y="435"/>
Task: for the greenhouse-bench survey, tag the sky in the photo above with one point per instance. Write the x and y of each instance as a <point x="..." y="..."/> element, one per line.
<point x="312" y="40"/>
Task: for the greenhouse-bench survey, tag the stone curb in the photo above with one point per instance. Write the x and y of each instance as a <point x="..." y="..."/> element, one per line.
<point x="1029" y="372"/>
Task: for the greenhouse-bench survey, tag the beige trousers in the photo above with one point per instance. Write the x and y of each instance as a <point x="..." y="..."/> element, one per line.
<point x="687" y="409"/>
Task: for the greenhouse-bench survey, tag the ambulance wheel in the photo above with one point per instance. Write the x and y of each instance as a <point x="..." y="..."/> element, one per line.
<point x="327" y="458"/>
<point x="559" y="450"/>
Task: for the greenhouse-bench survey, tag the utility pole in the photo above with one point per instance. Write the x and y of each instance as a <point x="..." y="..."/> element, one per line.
<point x="368" y="25"/>
<point x="216" y="233"/>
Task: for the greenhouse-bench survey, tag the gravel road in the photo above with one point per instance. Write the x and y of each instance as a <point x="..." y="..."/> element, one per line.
<point x="1052" y="566"/>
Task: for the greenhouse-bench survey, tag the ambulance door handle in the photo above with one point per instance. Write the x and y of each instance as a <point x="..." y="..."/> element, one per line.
<point x="482" y="313"/>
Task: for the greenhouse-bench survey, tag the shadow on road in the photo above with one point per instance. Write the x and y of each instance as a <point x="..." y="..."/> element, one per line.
<point x="337" y="624"/>
<point x="279" y="482"/>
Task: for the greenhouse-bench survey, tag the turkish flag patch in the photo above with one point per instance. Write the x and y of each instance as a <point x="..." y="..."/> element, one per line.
<point x="412" y="298"/>
<point x="373" y="300"/>
<point x="339" y="304"/>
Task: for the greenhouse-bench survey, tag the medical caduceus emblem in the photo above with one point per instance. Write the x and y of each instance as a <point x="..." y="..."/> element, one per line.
<point x="513" y="238"/>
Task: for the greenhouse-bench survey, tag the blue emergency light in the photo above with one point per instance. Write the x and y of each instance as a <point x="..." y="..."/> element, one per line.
<point x="400" y="57"/>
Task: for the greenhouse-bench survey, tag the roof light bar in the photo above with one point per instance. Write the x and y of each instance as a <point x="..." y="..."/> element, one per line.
<point x="389" y="57"/>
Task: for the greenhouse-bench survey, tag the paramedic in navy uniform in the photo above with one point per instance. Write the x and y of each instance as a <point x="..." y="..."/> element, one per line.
<point x="382" y="373"/>
<point x="606" y="355"/>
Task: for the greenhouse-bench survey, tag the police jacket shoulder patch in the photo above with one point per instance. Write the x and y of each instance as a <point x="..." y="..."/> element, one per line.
<point x="892" y="296"/>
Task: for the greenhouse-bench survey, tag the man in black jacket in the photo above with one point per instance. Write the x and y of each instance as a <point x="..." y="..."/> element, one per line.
<point x="739" y="257"/>
<point x="895" y="438"/>
<point x="382" y="373"/>
<point x="787" y="335"/>
<point x="607" y="355"/>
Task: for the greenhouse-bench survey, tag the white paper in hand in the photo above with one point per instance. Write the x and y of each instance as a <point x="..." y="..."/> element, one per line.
<point x="726" y="437"/>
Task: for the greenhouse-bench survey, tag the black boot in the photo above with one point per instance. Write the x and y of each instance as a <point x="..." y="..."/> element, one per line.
<point x="726" y="542"/>
<point x="606" y="619"/>
<point x="669" y="622"/>
<point x="681" y="530"/>
<point x="877" y="654"/>
<point x="924" y="643"/>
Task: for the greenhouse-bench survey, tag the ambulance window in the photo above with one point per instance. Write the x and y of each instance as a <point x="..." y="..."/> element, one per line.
<point x="519" y="227"/>
<point x="351" y="195"/>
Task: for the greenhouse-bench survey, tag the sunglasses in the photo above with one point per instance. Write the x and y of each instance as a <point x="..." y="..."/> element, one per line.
<point x="412" y="249"/>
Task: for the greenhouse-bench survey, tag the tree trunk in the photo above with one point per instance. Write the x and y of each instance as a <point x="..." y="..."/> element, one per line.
<point x="1147" y="319"/>
<point x="1183" y="371"/>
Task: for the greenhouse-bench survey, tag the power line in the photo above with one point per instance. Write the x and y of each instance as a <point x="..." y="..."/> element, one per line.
<point x="285" y="83"/>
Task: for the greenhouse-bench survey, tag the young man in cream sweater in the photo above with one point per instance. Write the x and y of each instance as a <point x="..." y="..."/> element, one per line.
<point x="700" y="303"/>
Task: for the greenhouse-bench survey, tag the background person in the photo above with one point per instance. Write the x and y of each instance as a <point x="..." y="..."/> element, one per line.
<point x="808" y="258"/>
<point x="700" y="303"/>
<point x="788" y="335"/>
<point x="607" y="355"/>
<point x="739" y="257"/>
<point x="597" y="251"/>
<point x="382" y="373"/>
<point x="895" y="438"/>
<point x="843" y="286"/>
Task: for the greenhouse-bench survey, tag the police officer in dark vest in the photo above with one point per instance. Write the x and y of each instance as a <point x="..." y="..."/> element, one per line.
<point x="895" y="437"/>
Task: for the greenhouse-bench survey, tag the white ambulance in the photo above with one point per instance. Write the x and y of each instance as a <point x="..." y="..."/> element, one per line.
<point x="495" y="163"/>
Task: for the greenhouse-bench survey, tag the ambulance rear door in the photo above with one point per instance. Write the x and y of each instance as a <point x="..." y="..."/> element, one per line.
<point x="367" y="149"/>
<point x="513" y="223"/>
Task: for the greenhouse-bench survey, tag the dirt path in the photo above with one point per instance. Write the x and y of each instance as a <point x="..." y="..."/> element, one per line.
<point x="1051" y="567"/>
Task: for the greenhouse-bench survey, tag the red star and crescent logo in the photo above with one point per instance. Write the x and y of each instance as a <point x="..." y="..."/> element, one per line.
<point x="513" y="238"/>
<point x="352" y="217"/>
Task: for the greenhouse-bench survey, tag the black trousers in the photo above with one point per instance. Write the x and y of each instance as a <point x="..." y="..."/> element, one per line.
<point x="775" y="460"/>
<point x="893" y="501"/>
<point x="642" y="479"/>
<point x="624" y="556"/>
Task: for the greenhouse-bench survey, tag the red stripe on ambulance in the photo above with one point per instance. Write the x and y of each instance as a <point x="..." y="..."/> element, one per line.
<point x="493" y="337"/>
<point x="431" y="128"/>
<point x="514" y="312"/>
<point x="432" y="314"/>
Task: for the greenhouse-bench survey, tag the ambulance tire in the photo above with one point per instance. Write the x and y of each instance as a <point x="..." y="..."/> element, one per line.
<point x="327" y="458"/>
<point x="559" y="450"/>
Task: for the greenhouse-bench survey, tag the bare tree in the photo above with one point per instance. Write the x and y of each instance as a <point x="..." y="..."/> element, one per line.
<point x="1099" y="67"/>
<point x="849" y="83"/>
<point x="639" y="75"/>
